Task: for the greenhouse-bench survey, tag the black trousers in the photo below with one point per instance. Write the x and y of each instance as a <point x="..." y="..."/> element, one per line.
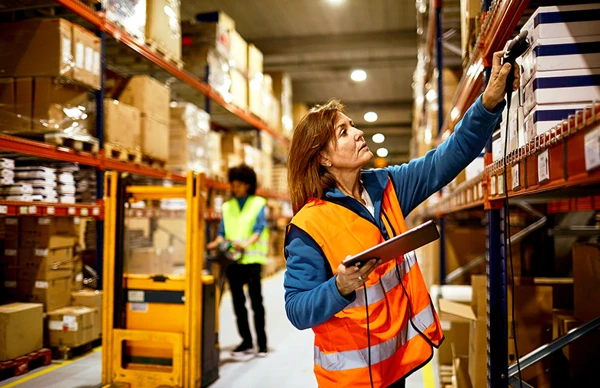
<point x="238" y="275"/>
<point x="398" y="384"/>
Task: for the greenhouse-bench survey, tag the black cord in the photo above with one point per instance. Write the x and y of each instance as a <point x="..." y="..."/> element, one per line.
<point x="507" y="239"/>
<point x="368" y="335"/>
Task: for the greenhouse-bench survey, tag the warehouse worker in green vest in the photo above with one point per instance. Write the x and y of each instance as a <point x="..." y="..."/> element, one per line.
<point x="244" y="224"/>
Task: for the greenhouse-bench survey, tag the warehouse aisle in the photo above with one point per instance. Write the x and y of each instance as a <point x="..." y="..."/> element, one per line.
<point x="288" y="364"/>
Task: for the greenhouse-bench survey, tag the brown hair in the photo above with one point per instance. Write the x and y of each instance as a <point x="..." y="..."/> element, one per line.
<point x="306" y="176"/>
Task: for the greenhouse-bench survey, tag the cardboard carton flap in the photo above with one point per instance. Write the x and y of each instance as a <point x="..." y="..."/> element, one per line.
<point x="457" y="309"/>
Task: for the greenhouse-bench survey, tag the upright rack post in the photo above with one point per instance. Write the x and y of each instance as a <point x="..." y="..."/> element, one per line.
<point x="440" y="98"/>
<point x="99" y="94"/>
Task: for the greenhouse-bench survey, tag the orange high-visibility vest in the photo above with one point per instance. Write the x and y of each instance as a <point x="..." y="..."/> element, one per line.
<point x="403" y="324"/>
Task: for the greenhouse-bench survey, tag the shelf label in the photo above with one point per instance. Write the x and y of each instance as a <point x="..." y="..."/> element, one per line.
<point x="501" y="184"/>
<point x="592" y="149"/>
<point x="84" y="212"/>
<point x="480" y="188"/>
<point x="543" y="167"/>
<point x="493" y="181"/>
<point x="72" y="211"/>
<point x="23" y="210"/>
<point x="3" y="209"/>
<point x="32" y="210"/>
<point x="469" y="196"/>
<point x="50" y="210"/>
<point x="516" y="178"/>
<point x="139" y="214"/>
<point x="95" y="211"/>
<point x="41" y="284"/>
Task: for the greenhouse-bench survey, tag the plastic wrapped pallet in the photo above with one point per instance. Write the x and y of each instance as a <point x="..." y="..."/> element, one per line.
<point x="188" y="139"/>
<point x="216" y="165"/>
<point x="128" y="14"/>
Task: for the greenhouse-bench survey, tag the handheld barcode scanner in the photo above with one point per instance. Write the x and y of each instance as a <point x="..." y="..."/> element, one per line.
<point x="515" y="48"/>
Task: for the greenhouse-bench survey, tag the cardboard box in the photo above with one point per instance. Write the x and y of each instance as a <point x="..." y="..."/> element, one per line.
<point x="38" y="232"/>
<point x="23" y="103"/>
<point x="231" y="144"/>
<point x="53" y="294"/>
<point x="163" y="26"/>
<point x="41" y="47"/>
<point x="53" y="262"/>
<point x="151" y="97"/>
<point x="21" y="329"/>
<point x="565" y="53"/>
<point x="238" y="53"/>
<point x="562" y="21"/>
<point x="239" y="89"/>
<point x="122" y="124"/>
<point x="73" y="326"/>
<point x="155" y="138"/>
<point x="144" y="261"/>
<point x="216" y="28"/>
<point x="559" y="87"/>
<point x="89" y="298"/>
<point x="52" y="102"/>
<point x="255" y="61"/>
<point x="586" y="278"/>
<point x="86" y="53"/>
<point x="542" y="118"/>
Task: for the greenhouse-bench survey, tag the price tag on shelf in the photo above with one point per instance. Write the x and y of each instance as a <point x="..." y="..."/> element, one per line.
<point x="516" y="178"/>
<point x="3" y="209"/>
<point x="543" y="167"/>
<point x="480" y="188"/>
<point x="139" y="214"/>
<point x="469" y="196"/>
<point x="592" y="149"/>
<point x="72" y="211"/>
<point x="493" y="183"/>
<point x="32" y="210"/>
<point x="50" y="210"/>
<point x="500" y="184"/>
<point x="23" y="210"/>
<point x="95" y="211"/>
<point x="84" y="212"/>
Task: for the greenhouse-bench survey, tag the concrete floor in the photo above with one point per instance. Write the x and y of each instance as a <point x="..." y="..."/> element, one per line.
<point x="289" y="362"/>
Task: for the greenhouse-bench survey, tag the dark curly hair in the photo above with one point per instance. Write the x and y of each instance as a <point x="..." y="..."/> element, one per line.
<point x="245" y="174"/>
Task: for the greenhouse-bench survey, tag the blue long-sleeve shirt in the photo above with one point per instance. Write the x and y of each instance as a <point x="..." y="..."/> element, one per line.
<point x="311" y="295"/>
<point x="259" y="224"/>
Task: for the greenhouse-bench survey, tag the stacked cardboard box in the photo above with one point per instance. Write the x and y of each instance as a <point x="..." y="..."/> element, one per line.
<point x="85" y="185"/>
<point x="217" y="166"/>
<point x="9" y="235"/>
<point x="282" y="92"/>
<point x="188" y="139"/>
<point x="163" y="26"/>
<point x="73" y="326"/>
<point x="21" y="329"/>
<point x="122" y="124"/>
<point x="7" y="174"/>
<point x="560" y="71"/>
<point x="152" y="99"/>
<point x="232" y="150"/>
<point x="50" y="48"/>
<point x="46" y="260"/>
<point x="33" y="183"/>
<point x="256" y="81"/>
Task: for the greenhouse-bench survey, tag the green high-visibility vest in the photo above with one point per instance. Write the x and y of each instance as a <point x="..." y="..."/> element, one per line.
<point x="239" y="224"/>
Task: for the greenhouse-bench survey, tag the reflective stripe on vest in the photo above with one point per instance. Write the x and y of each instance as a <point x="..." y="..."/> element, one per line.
<point x="239" y="224"/>
<point x="354" y="359"/>
<point x="377" y="291"/>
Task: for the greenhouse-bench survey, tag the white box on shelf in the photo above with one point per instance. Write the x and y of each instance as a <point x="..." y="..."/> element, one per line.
<point x="543" y="117"/>
<point x="475" y="167"/>
<point x="563" y="86"/>
<point x="563" y="20"/>
<point x="561" y="54"/>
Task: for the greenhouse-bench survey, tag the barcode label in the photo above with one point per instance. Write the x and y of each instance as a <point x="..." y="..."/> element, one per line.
<point x="501" y="184"/>
<point x="72" y="211"/>
<point x="493" y="182"/>
<point x="50" y="210"/>
<point x="592" y="149"/>
<point x="516" y="179"/>
<point x="3" y="209"/>
<point x="543" y="166"/>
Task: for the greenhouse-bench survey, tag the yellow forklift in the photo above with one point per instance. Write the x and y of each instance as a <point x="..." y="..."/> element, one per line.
<point x="159" y="329"/>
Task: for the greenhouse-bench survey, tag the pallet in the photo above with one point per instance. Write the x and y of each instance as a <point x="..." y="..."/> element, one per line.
<point x="124" y="154"/>
<point x="159" y="49"/>
<point x="90" y="145"/>
<point x="153" y="162"/>
<point x="21" y="365"/>
<point x="68" y="353"/>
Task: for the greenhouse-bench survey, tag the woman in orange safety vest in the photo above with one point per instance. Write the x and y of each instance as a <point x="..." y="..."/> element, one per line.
<point x="379" y="335"/>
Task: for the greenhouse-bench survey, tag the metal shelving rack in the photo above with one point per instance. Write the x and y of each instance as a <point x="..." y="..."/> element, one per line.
<point x="96" y="17"/>
<point x="546" y="157"/>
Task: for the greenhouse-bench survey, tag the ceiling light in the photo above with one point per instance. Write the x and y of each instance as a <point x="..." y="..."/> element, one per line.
<point x="370" y="117"/>
<point x="382" y="152"/>
<point x="358" y="75"/>
<point x="335" y="2"/>
<point x="378" y="138"/>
